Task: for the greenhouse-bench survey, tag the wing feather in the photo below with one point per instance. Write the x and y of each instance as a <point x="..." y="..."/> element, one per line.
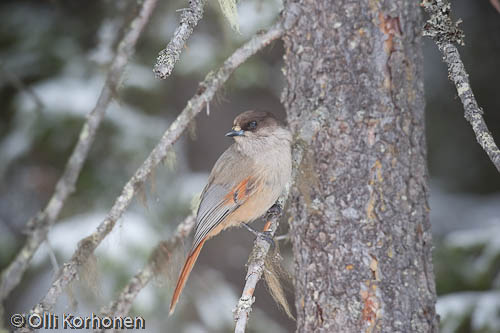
<point x="217" y="203"/>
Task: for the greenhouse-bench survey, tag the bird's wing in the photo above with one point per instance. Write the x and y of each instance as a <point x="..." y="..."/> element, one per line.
<point x="230" y="184"/>
<point x="217" y="202"/>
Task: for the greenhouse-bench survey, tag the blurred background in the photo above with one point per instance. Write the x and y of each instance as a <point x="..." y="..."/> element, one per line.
<point x="53" y="60"/>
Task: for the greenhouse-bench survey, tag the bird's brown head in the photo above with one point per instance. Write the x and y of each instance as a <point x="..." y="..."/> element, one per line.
<point x="253" y="124"/>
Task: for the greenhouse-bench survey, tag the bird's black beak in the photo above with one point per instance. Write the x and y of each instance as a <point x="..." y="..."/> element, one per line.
<point x="235" y="131"/>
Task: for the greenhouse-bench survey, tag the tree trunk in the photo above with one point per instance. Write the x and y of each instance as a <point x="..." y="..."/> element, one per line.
<point x="360" y="219"/>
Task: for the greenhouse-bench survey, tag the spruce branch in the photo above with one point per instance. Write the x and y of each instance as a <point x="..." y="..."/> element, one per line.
<point x="39" y="226"/>
<point x="445" y="33"/>
<point x="170" y="55"/>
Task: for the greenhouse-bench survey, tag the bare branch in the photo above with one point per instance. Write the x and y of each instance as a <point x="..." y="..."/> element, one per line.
<point x="444" y="32"/>
<point x="473" y="112"/>
<point x="205" y="93"/>
<point x="170" y="55"/>
<point x="21" y="87"/>
<point x="39" y="226"/>
<point x="496" y="4"/>
<point x="121" y="306"/>
<point x="256" y="264"/>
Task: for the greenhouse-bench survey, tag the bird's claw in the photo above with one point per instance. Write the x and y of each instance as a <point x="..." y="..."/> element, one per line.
<point x="275" y="209"/>
<point x="267" y="236"/>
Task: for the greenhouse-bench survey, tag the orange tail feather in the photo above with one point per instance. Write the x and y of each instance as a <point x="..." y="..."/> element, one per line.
<point x="188" y="266"/>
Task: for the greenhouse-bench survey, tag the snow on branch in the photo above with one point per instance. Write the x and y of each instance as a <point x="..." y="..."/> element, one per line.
<point x="170" y="55"/>
<point x="205" y="93"/>
<point x="38" y="227"/>
<point x="445" y="32"/>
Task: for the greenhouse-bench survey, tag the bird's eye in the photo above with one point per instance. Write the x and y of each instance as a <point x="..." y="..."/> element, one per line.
<point x="252" y="125"/>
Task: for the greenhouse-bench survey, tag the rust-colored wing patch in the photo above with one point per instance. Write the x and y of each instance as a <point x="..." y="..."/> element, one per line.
<point x="241" y="191"/>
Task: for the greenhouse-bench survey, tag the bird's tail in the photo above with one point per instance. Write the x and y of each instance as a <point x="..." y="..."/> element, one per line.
<point x="188" y="266"/>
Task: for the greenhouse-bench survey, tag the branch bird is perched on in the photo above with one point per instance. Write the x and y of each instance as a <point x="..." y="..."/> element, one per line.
<point x="245" y="182"/>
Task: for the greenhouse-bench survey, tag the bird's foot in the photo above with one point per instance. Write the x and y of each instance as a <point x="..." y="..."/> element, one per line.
<point x="275" y="209"/>
<point x="265" y="235"/>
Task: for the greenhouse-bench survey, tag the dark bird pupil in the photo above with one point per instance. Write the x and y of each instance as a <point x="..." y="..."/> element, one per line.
<point x="252" y="125"/>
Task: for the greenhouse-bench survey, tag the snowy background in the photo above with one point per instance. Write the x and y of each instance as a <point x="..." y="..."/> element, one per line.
<point x="53" y="61"/>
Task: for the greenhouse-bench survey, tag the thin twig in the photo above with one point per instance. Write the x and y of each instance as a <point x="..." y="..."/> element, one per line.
<point x="255" y="265"/>
<point x="445" y="32"/>
<point x="206" y="92"/>
<point x="52" y="257"/>
<point x="284" y="237"/>
<point x="120" y="307"/>
<point x="495" y="4"/>
<point x="21" y="87"/>
<point x="170" y="55"/>
<point x="39" y="226"/>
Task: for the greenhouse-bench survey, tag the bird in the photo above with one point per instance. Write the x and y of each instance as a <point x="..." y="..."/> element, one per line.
<point x="244" y="183"/>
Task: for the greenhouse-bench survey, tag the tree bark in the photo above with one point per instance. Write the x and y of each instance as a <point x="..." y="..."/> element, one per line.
<point x="360" y="219"/>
